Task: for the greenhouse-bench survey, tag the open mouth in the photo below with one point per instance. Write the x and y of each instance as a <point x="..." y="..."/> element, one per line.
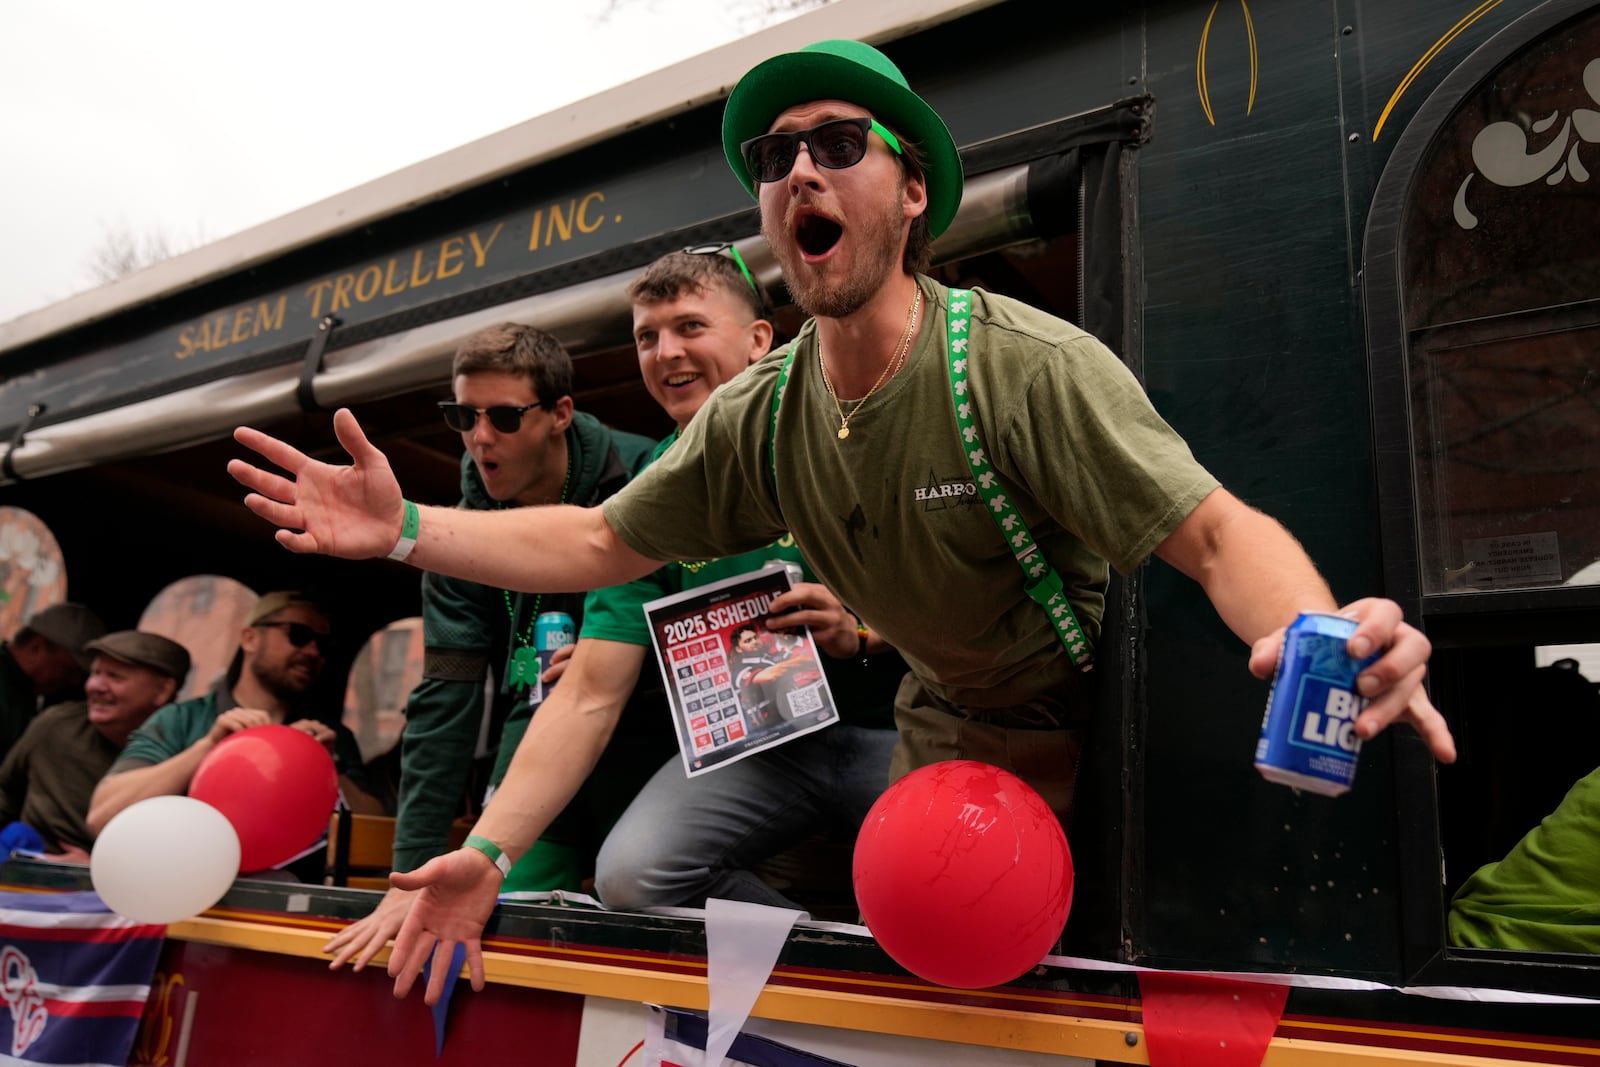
<point x="675" y="381"/>
<point x="816" y="234"/>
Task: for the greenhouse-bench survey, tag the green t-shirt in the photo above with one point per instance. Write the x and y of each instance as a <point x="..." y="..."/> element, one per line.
<point x="890" y="518"/>
<point x="174" y="727"/>
<point x="863" y="693"/>
<point x="1545" y="895"/>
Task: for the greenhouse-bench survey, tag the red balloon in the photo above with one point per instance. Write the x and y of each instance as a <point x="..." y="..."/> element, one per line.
<point x="277" y="786"/>
<point x="963" y="875"/>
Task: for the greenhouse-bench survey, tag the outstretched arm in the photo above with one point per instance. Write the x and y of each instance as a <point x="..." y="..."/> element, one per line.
<point x="169" y="777"/>
<point x="356" y="512"/>
<point x="453" y="895"/>
<point x="1259" y="578"/>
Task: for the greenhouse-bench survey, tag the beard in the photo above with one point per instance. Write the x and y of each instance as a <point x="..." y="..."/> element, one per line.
<point x="287" y="687"/>
<point x="875" y="251"/>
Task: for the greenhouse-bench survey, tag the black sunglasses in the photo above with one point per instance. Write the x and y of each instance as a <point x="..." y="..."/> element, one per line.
<point x="505" y="418"/>
<point x="300" y="635"/>
<point x="733" y="254"/>
<point x="835" y="145"/>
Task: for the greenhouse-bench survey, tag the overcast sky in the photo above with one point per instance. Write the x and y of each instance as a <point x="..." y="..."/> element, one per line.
<point x="199" y="118"/>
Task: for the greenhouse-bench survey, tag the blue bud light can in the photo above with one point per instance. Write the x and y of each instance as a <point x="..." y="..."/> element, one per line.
<point x="1308" y="737"/>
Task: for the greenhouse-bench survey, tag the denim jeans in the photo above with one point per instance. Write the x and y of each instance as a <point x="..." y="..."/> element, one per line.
<point x="685" y="839"/>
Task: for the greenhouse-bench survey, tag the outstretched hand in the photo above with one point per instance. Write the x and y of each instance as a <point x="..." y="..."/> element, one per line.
<point x="363" y="939"/>
<point x="1392" y="684"/>
<point x="456" y="895"/>
<point x="354" y="512"/>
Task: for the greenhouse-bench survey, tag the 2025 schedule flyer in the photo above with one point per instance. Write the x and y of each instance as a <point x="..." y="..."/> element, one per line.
<point x="735" y="686"/>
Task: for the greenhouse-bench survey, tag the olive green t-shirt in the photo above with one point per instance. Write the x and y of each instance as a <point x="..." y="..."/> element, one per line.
<point x="863" y="689"/>
<point x="49" y="776"/>
<point x="890" y="519"/>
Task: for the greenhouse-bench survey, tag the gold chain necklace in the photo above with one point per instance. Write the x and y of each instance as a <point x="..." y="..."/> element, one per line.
<point x="894" y="364"/>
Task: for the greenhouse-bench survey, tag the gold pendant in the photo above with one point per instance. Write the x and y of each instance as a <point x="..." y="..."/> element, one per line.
<point x="844" y="431"/>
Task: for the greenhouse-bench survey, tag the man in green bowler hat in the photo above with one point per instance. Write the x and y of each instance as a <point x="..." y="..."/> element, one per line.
<point x="960" y="468"/>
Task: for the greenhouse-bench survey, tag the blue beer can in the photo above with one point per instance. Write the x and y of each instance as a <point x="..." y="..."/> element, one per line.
<point x="553" y="630"/>
<point x="1308" y="737"/>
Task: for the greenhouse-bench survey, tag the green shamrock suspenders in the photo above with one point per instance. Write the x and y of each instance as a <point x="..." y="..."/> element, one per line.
<point x="1039" y="580"/>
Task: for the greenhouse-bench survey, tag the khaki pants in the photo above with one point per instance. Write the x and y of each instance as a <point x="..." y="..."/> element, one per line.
<point x="1044" y="756"/>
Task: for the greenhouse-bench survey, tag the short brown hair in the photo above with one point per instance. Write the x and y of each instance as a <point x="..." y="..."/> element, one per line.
<point x="919" y="250"/>
<point x="677" y="273"/>
<point x="513" y="348"/>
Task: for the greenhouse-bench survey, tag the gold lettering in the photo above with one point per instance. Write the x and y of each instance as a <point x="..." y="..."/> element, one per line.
<point x="185" y="343"/>
<point x="211" y="333"/>
<point x="533" y="234"/>
<point x="418" y="279"/>
<point x="341" y="292"/>
<point x="242" y="321"/>
<point x="315" y="291"/>
<point x="583" y="213"/>
<point x="452" y="249"/>
<point x="561" y="222"/>
<point x="389" y="288"/>
<point x="365" y="292"/>
<point x="481" y="252"/>
<point x="266" y="320"/>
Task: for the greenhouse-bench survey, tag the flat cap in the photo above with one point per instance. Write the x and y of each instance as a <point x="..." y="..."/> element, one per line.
<point x="146" y="650"/>
<point x="69" y="625"/>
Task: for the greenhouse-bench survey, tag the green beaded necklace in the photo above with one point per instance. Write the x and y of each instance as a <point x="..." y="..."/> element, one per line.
<point x="525" y="666"/>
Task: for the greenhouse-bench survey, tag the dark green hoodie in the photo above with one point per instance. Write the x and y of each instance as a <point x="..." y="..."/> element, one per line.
<point x="468" y="632"/>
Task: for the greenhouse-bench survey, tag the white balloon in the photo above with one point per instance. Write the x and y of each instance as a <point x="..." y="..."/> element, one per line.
<point x="164" y="859"/>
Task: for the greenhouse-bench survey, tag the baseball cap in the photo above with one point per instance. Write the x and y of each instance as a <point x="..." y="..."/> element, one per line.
<point x="271" y="603"/>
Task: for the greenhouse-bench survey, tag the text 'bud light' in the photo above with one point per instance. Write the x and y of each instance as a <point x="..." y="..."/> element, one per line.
<point x="1308" y="736"/>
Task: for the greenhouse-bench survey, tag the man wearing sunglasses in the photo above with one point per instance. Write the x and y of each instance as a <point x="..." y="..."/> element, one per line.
<point x="864" y="463"/>
<point x="523" y="444"/>
<point x="283" y="649"/>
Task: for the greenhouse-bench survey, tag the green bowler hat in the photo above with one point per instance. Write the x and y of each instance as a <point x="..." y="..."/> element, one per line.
<point x="858" y="74"/>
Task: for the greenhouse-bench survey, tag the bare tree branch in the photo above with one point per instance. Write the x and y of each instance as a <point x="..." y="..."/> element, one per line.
<point x="121" y="251"/>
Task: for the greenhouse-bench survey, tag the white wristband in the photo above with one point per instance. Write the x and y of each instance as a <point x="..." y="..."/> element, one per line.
<point x="408" y="533"/>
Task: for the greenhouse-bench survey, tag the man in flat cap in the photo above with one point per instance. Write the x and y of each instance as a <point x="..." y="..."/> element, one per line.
<point x="282" y="651"/>
<point x="50" y="773"/>
<point x="43" y="664"/>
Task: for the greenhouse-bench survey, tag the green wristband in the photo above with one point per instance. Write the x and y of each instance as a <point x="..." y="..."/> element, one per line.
<point x="408" y="532"/>
<point x="490" y="849"/>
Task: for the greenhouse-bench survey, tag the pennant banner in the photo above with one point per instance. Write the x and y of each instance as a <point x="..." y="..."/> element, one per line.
<point x="678" y="1039"/>
<point x="1191" y="1021"/>
<point x="75" y="978"/>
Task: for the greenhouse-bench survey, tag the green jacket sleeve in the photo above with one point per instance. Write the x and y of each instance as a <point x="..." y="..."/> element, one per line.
<point x="461" y="622"/>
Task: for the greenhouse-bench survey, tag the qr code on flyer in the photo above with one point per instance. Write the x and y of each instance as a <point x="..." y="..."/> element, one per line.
<point x="805" y="701"/>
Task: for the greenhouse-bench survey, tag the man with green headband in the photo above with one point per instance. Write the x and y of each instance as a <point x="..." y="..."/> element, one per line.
<point x="854" y="174"/>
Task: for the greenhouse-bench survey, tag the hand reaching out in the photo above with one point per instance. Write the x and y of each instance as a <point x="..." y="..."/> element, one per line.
<point x="354" y="512"/>
<point x="1392" y="684"/>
